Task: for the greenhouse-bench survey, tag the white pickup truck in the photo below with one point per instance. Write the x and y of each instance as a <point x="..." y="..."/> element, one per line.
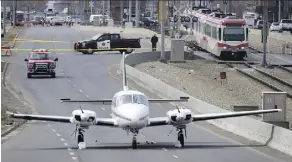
<point x="285" y="25"/>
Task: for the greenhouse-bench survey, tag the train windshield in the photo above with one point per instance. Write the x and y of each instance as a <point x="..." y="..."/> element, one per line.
<point x="233" y="34"/>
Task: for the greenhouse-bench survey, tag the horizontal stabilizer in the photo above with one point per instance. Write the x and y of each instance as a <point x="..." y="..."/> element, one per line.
<point x="181" y="99"/>
<point x="104" y="101"/>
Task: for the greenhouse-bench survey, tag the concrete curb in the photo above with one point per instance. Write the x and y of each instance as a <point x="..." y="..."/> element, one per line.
<point x="267" y="134"/>
<point x="5" y="133"/>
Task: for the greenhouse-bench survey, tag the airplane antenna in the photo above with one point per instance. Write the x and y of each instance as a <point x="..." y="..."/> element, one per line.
<point x="177" y="108"/>
<point x="81" y="109"/>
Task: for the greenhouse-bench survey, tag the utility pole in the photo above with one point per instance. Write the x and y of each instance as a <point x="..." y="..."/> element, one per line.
<point x="162" y="54"/>
<point x="230" y="7"/>
<point x="178" y="16"/>
<point x="279" y="10"/>
<point x="28" y="15"/>
<point x="137" y="14"/>
<point x="122" y="12"/>
<point x="109" y="8"/>
<point x="265" y="32"/>
<point x="130" y="11"/>
<point x="4" y="16"/>
<point x="14" y="12"/>
<point x="103" y="7"/>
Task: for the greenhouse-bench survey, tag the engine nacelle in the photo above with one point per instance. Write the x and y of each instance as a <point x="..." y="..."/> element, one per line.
<point x="86" y="118"/>
<point x="180" y="117"/>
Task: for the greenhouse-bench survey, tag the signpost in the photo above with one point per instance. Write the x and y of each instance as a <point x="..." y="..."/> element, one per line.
<point x="91" y="5"/>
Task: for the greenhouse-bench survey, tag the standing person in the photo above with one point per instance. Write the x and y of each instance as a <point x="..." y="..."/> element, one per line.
<point x="154" y="41"/>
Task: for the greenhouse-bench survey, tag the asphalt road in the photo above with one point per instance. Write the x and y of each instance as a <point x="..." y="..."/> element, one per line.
<point x="94" y="76"/>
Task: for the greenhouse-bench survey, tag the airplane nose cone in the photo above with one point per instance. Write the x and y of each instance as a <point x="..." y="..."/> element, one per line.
<point x="179" y="117"/>
<point x="83" y="117"/>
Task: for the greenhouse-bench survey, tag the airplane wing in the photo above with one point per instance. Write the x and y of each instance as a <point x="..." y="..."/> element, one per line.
<point x="160" y="121"/>
<point x="109" y="122"/>
<point x="62" y="119"/>
<point x="201" y="117"/>
<point x="109" y="101"/>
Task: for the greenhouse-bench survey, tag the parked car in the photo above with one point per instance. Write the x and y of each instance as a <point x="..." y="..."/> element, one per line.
<point x="275" y="26"/>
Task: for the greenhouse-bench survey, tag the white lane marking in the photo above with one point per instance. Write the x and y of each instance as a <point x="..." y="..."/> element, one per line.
<point x="71" y="153"/>
<point x="62" y="139"/>
<point x="53" y="130"/>
<point x="164" y="149"/>
<point x="74" y="158"/>
<point x="102" y="108"/>
<point x="175" y="156"/>
<point x="69" y="81"/>
<point x="66" y="144"/>
<point x="49" y="125"/>
<point x="44" y="121"/>
<point x="69" y="149"/>
<point x="143" y="135"/>
<point x="87" y="96"/>
<point x="80" y="90"/>
<point x="58" y="135"/>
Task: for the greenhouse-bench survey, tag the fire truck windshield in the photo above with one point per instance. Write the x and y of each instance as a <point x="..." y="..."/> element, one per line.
<point x="39" y="56"/>
<point x="233" y="34"/>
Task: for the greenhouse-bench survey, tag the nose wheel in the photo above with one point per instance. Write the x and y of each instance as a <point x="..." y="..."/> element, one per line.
<point x="80" y="139"/>
<point x="181" y="138"/>
<point x="134" y="143"/>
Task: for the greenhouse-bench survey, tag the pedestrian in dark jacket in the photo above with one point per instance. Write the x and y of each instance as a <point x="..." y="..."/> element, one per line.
<point x="154" y="41"/>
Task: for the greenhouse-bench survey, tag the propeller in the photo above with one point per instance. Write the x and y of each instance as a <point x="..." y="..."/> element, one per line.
<point x="74" y="132"/>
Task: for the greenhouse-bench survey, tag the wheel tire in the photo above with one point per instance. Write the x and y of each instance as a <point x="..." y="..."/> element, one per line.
<point x="90" y="51"/>
<point x="53" y="75"/>
<point x="28" y="75"/>
<point x="128" y="51"/>
<point x="134" y="144"/>
<point x="80" y="138"/>
<point x="121" y="51"/>
<point x="181" y="139"/>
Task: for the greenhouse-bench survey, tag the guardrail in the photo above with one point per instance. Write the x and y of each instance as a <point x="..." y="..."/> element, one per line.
<point x="268" y="134"/>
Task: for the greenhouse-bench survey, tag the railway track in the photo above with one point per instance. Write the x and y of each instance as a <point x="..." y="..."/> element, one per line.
<point x="265" y="78"/>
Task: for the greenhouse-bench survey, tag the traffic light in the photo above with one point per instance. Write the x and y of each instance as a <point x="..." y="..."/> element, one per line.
<point x="224" y="1"/>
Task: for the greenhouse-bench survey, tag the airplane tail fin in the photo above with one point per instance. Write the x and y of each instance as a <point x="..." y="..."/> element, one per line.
<point x="125" y="85"/>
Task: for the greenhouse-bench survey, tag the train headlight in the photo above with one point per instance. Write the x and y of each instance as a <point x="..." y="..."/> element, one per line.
<point x="224" y="47"/>
<point x="242" y="47"/>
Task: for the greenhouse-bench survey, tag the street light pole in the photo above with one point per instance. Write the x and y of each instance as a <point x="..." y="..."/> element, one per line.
<point x="279" y="10"/>
<point x="162" y="54"/>
<point x="4" y="16"/>
<point x="265" y="32"/>
<point x="137" y="14"/>
<point x="122" y="12"/>
<point x="14" y="12"/>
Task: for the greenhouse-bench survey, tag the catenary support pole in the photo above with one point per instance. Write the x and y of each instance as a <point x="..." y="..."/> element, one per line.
<point x="265" y="28"/>
<point x="162" y="54"/>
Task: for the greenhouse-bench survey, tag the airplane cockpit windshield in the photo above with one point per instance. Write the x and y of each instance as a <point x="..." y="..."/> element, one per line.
<point x="132" y="98"/>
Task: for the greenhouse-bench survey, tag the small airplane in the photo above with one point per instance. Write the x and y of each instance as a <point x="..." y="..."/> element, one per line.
<point x="130" y="112"/>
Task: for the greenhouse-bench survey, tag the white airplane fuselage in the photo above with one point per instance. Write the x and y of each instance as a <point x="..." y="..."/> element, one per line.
<point x="130" y="115"/>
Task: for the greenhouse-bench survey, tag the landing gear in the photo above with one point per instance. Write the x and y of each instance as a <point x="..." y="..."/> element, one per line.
<point x="181" y="138"/>
<point x="134" y="139"/>
<point x="80" y="139"/>
<point x="134" y="143"/>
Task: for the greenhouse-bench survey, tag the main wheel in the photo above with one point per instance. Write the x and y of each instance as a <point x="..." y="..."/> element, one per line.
<point x="28" y="75"/>
<point x="134" y="143"/>
<point x="181" y="139"/>
<point x="53" y="75"/>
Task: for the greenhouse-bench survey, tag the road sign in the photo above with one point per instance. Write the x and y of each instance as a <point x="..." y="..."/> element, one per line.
<point x="91" y="4"/>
